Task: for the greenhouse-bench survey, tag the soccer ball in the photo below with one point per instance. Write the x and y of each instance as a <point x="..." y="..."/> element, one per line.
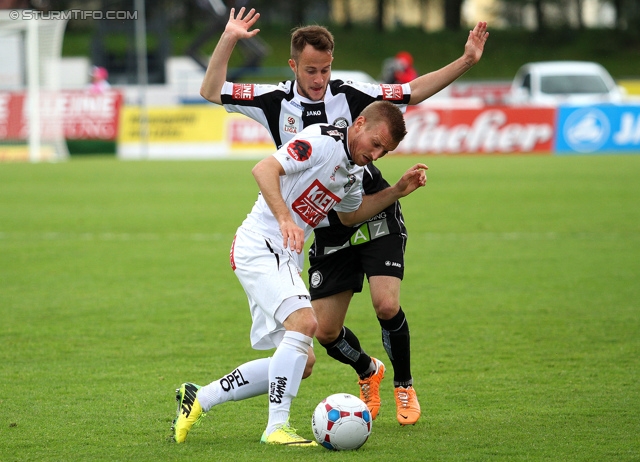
<point x="341" y="422"/>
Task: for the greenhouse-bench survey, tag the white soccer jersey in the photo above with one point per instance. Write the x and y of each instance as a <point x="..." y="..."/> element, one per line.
<point x="319" y="177"/>
<point x="285" y="113"/>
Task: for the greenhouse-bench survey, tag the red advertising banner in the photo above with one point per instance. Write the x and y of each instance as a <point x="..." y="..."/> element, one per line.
<point x="80" y="115"/>
<point x="482" y="130"/>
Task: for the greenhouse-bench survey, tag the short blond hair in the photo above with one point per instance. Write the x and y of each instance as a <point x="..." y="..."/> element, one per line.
<point x="388" y="113"/>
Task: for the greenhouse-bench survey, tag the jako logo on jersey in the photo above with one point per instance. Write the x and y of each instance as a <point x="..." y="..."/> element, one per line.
<point x="313" y="113"/>
<point x="243" y="91"/>
<point x="314" y="204"/>
<point x="299" y="150"/>
<point x="391" y="91"/>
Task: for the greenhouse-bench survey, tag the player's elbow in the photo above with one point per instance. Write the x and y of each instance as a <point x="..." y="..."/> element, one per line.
<point x="211" y="96"/>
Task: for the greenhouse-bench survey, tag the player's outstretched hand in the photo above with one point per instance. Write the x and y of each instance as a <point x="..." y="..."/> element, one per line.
<point x="412" y="179"/>
<point x="475" y="43"/>
<point x="239" y="26"/>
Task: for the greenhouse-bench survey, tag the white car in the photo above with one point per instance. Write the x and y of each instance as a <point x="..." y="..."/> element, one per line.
<point x="568" y="82"/>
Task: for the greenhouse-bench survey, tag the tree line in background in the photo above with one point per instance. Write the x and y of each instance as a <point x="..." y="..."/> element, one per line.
<point x="549" y="14"/>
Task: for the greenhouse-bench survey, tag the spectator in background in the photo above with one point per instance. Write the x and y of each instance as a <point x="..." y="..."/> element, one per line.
<point x="99" y="84"/>
<point x="399" y="69"/>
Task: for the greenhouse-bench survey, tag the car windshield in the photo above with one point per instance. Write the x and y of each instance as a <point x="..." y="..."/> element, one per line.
<point x="572" y="84"/>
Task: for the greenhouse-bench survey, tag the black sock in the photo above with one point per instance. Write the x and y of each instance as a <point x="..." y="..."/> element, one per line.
<point x="396" y="342"/>
<point x="346" y="349"/>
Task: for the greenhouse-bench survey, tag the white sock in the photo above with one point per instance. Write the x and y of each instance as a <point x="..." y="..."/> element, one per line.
<point x="249" y="380"/>
<point x="285" y="374"/>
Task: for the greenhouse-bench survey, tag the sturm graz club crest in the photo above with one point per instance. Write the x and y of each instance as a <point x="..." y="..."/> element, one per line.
<point x="340" y="122"/>
<point x="351" y="179"/>
<point x="316" y="279"/>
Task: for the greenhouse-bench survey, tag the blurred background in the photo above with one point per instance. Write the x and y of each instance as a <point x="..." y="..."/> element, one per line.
<point x="367" y="31"/>
<point x="164" y="45"/>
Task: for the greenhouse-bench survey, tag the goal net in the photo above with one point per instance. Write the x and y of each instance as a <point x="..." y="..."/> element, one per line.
<point x="31" y="125"/>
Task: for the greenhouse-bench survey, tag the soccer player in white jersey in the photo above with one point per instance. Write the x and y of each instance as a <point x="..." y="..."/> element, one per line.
<point x="341" y="256"/>
<point x="317" y="171"/>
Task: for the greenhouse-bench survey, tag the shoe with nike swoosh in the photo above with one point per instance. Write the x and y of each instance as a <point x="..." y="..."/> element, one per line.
<point x="408" y="407"/>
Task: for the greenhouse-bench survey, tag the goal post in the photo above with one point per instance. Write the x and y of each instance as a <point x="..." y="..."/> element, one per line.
<point x="31" y="125"/>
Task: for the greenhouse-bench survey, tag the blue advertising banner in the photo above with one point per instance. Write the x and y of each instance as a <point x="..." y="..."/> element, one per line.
<point x="603" y="128"/>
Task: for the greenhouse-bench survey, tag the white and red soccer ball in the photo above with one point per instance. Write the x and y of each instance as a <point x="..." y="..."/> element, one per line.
<point x="341" y="422"/>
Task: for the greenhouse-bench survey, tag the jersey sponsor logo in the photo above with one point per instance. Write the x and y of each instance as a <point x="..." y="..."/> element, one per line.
<point x="314" y="203"/>
<point x="392" y="263"/>
<point x="291" y="124"/>
<point x="333" y="175"/>
<point x="277" y="389"/>
<point x="340" y="122"/>
<point x="366" y="232"/>
<point x="242" y="91"/>
<point x="313" y="113"/>
<point x="392" y="92"/>
<point x="232" y="381"/>
<point x="370" y="231"/>
<point x="299" y="150"/>
<point x="296" y="105"/>
<point x="338" y="135"/>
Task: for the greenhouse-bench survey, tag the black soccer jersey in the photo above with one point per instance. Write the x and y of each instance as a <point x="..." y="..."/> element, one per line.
<point x="284" y="113"/>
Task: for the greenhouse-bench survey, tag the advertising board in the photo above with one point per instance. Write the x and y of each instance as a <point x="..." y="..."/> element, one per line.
<point x="484" y="130"/>
<point x="598" y="129"/>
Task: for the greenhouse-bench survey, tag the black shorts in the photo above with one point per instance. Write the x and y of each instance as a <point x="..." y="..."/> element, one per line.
<point x="345" y="269"/>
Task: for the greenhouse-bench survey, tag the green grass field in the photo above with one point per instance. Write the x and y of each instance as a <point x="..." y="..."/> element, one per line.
<point x="522" y="290"/>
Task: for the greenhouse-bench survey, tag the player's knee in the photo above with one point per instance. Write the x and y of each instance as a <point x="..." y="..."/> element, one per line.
<point x="310" y="325"/>
<point x="303" y="321"/>
<point x="387" y="309"/>
<point x="327" y="335"/>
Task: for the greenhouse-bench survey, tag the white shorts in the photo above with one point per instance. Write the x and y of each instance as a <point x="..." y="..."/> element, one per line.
<point x="269" y="275"/>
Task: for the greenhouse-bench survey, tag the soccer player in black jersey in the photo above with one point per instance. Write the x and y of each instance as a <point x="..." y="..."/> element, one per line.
<point x="341" y="256"/>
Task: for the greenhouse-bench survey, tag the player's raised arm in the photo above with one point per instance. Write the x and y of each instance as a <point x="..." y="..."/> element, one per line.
<point x="429" y="84"/>
<point x="236" y="29"/>
<point x="373" y="204"/>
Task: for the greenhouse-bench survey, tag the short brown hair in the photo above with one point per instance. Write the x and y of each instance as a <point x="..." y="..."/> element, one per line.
<point x="389" y="113"/>
<point x="318" y="37"/>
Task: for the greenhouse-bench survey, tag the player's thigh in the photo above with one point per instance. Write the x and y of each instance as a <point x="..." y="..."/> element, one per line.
<point x="330" y="312"/>
<point x="385" y="295"/>
<point x="383" y="262"/>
